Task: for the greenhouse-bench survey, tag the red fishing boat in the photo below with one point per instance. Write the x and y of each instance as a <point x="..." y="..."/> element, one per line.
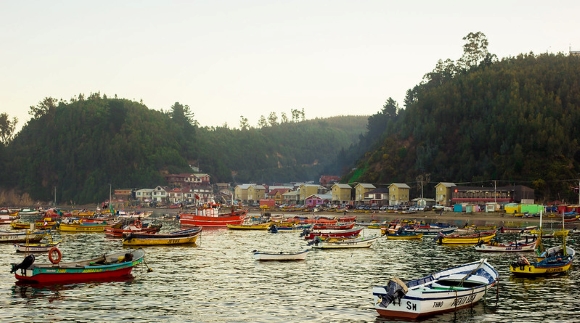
<point x="337" y="226"/>
<point x="211" y="217"/>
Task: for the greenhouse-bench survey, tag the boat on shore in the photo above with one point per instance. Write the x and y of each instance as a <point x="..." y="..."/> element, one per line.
<point x="108" y="266"/>
<point x="280" y="256"/>
<point x="448" y="290"/>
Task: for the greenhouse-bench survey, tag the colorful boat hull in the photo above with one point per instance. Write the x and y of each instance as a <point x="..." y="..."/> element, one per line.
<point x="102" y="268"/>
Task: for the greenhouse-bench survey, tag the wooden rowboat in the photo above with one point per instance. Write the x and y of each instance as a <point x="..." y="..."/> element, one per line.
<point x="188" y="236"/>
<point x="448" y="290"/>
<point x="280" y="256"/>
<point x="105" y="267"/>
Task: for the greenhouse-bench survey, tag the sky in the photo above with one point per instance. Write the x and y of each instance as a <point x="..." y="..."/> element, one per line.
<point x="227" y="59"/>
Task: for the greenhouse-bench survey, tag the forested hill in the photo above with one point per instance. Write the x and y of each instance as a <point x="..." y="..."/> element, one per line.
<point x="83" y="145"/>
<point x="512" y="121"/>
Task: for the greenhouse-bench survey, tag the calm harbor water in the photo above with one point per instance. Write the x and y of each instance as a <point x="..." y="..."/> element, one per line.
<point x="218" y="280"/>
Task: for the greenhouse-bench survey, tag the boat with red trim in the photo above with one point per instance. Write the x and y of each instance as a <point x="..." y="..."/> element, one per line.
<point x="107" y="266"/>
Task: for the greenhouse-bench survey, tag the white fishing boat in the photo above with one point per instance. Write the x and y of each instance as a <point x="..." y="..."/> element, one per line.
<point x="444" y="291"/>
<point x="280" y="256"/>
<point x="334" y="243"/>
<point x="514" y="246"/>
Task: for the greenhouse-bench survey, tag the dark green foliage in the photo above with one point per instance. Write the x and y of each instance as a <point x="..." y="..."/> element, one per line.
<point x="83" y="146"/>
<point x="514" y="120"/>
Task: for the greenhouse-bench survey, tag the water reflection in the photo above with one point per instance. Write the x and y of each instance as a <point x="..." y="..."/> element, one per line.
<point x="217" y="280"/>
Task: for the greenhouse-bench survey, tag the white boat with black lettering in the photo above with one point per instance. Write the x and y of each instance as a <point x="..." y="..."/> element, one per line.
<point x="444" y="291"/>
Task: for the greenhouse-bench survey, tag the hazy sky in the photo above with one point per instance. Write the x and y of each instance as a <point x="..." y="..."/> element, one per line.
<point x="227" y="59"/>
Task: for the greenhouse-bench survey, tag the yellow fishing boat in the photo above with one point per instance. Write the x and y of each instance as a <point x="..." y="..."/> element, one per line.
<point x="187" y="236"/>
<point x="466" y="239"/>
<point x="83" y="227"/>
<point x="257" y="226"/>
<point x="404" y="236"/>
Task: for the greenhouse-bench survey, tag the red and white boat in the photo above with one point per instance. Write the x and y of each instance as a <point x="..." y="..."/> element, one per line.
<point x="211" y="217"/>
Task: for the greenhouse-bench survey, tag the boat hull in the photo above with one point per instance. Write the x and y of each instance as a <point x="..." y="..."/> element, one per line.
<point x="269" y="256"/>
<point x="83" y="271"/>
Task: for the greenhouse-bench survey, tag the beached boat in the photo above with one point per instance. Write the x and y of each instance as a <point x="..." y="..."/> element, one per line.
<point x="280" y="256"/>
<point x="324" y="234"/>
<point x="466" y="239"/>
<point x="337" y="243"/>
<point x="211" y="217"/>
<point x="107" y="266"/>
<point x="22" y="236"/>
<point x="444" y="291"/>
<point x="249" y="226"/>
<point x="514" y="246"/>
<point x="188" y="236"/>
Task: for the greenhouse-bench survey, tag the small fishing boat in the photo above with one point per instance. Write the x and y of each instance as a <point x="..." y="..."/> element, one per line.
<point x="432" y="229"/>
<point x="351" y="233"/>
<point x="108" y="266"/>
<point x="444" y="291"/>
<point x="514" y="246"/>
<point x="35" y="247"/>
<point x="83" y="226"/>
<point x="551" y="261"/>
<point x="280" y="256"/>
<point x="22" y="236"/>
<point x="465" y="239"/>
<point x="187" y="236"/>
<point x="333" y="226"/>
<point x="131" y="225"/>
<point x="337" y="243"/>
<point x="403" y="235"/>
<point x="249" y="226"/>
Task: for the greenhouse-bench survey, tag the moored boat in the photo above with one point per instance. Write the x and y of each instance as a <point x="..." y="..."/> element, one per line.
<point x="107" y="266"/>
<point x="280" y="256"/>
<point x="211" y="217"/>
<point x="334" y="243"/>
<point x="35" y="247"/>
<point x="22" y="236"/>
<point x="351" y="233"/>
<point x="466" y="239"/>
<point x="444" y="291"/>
<point x="187" y="236"/>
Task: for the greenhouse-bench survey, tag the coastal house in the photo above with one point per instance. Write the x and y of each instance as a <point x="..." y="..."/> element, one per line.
<point x="378" y="196"/>
<point x="315" y="200"/>
<point x="144" y="195"/>
<point x="443" y="192"/>
<point x="341" y="193"/>
<point x="256" y="193"/>
<point x="399" y="194"/>
<point x="307" y="190"/>
<point x="360" y="190"/>
<point x="241" y="192"/>
<point x="159" y="194"/>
